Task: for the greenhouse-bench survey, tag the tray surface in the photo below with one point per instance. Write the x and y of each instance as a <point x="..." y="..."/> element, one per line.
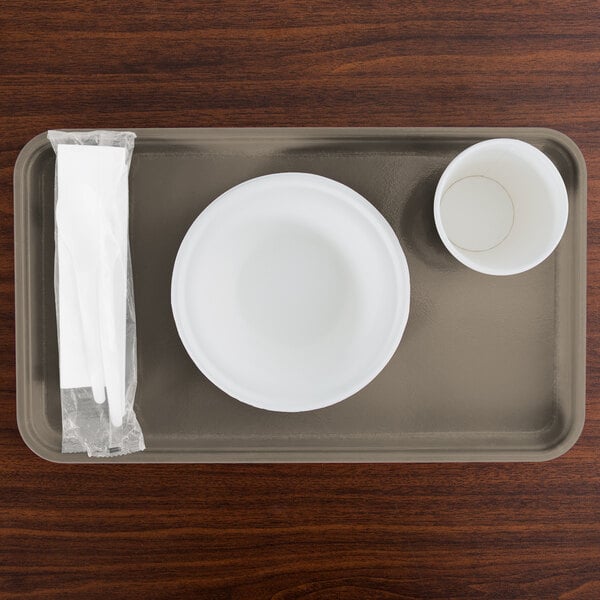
<point x="489" y="368"/>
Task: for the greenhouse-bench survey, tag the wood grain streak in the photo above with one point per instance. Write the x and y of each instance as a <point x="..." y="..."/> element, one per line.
<point x="298" y="532"/>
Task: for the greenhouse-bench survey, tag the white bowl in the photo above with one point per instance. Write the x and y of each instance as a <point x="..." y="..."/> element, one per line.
<point x="501" y="207"/>
<point x="290" y="292"/>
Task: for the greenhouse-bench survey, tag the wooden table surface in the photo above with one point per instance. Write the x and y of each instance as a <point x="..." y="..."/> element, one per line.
<point x="295" y="532"/>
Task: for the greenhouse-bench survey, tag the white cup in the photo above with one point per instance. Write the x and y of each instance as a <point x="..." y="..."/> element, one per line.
<point x="501" y="207"/>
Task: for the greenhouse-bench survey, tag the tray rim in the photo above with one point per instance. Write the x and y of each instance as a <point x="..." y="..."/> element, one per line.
<point x="35" y="441"/>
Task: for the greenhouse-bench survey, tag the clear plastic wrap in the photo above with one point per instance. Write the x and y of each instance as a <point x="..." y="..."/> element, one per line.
<point x="94" y="293"/>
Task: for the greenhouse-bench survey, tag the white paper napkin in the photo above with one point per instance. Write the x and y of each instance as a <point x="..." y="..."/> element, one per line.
<point x="91" y="228"/>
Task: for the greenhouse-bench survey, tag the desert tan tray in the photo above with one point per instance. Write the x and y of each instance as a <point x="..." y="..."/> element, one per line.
<point x="489" y="369"/>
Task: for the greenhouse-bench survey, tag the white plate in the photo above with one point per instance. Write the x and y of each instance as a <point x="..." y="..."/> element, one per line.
<point x="290" y="292"/>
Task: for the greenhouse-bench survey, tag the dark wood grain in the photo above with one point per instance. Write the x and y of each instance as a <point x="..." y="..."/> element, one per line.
<point x="291" y="532"/>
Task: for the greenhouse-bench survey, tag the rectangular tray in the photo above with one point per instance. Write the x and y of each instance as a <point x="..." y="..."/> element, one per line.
<point x="489" y="369"/>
